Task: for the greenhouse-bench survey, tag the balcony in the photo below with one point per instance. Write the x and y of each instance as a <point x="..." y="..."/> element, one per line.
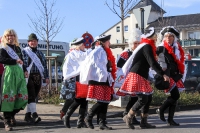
<point x="189" y="43"/>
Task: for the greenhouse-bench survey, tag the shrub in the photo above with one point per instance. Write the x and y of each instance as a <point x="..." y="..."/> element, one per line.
<point x="185" y="98"/>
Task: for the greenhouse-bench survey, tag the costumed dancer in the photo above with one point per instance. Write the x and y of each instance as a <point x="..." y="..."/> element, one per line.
<point x="35" y="63"/>
<point x="133" y="41"/>
<point x="71" y="68"/>
<point x="173" y="64"/>
<point x="13" y="93"/>
<point x="99" y="72"/>
<point x="137" y="68"/>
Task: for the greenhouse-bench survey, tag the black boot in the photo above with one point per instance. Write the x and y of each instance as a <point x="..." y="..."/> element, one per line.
<point x="102" y="122"/>
<point x="170" y="120"/>
<point x="135" y="121"/>
<point x="36" y="118"/>
<point x="88" y="119"/>
<point x="81" y="122"/>
<point x="8" y="125"/>
<point x="28" y="118"/>
<point x="163" y="107"/>
<point x="65" y="108"/>
<point x="98" y="118"/>
<point x="66" y="118"/>
<point x="144" y="124"/>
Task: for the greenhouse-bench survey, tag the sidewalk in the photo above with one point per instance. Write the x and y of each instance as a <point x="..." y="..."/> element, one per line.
<point x="51" y="113"/>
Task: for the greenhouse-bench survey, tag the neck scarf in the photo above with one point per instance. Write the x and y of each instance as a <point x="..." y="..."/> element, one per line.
<point x="111" y="58"/>
<point x="151" y="43"/>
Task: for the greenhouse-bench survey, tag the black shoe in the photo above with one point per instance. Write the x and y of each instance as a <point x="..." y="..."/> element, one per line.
<point x="161" y="115"/>
<point x="81" y="125"/>
<point x="66" y="121"/>
<point x="172" y="123"/>
<point x="28" y="118"/>
<point x="135" y="121"/>
<point x="36" y="118"/>
<point x="104" y="127"/>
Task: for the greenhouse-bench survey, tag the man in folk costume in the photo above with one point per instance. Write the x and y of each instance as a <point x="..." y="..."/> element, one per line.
<point x="173" y="64"/>
<point x="133" y="41"/>
<point x="13" y="92"/>
<point x="137" y="68"/>
<point x="35" y="63"/>
<point x="71" y="69"/>
<point x="99" y="72"/>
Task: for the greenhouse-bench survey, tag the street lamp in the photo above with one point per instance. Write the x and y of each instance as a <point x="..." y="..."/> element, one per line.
<point x="142" y="19"/>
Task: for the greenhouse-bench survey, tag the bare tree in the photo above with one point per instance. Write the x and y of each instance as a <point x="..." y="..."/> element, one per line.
<point x="125" y="6"/>
<point x="45" y="25"/>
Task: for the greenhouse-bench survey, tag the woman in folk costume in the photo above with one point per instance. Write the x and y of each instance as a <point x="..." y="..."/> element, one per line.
<point x="35" y="63"/>
<point x="98" y="72"/>
<point x="13" y="94"/>
<point x="133" y="41"/>
<point x="173" y="64"/>
<point x="71" y="68"/>
<point x="142" y="58"/>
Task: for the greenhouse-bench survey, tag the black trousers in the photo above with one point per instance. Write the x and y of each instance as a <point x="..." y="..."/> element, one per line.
<point x="100" y="107"/>
<point x="67" y="105"/>
<point x="34" y="85"/>
<point x="142" y="103"/>
<point x="10" y="115"/>
<point x="78" y="101"/>
<point x="175" y="95"/>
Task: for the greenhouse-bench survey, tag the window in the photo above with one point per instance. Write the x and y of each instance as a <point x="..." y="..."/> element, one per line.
<point x="126" y="40"/>
<point x="126" y="28"/>
<point x="194" y="35"/>
<point x="118" y="41"/>
<point x="136" y="25"/>
<point x="118" y="28"/>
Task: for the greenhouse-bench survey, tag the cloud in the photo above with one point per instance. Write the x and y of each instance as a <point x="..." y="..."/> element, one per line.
<point x="180" y="3"/>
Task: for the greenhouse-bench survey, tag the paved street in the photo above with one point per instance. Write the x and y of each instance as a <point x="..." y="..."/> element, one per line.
<point x="190" y="123"/>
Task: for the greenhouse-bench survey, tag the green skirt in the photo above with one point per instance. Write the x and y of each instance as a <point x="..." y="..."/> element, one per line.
<point x="14" y="93"/>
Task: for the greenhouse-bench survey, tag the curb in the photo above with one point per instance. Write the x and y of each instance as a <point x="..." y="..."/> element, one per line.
<point x="153" y="110"/>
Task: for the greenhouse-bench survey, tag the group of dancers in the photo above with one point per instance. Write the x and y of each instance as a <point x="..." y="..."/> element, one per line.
<point x="95" y="70"/>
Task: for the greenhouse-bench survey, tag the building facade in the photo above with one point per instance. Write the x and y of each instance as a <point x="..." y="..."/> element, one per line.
<point x="188" y="25"/>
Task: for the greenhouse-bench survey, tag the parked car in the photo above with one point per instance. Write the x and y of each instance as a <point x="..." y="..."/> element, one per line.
<point x="192" y="80"/>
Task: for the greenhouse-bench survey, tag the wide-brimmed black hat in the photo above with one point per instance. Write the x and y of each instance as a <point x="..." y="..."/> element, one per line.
<point x="159" y="82"/>
<point x="170" y="29"/>
<point x="104" y="38"/>
<point x="77" y="41"/>
<point x="32" y="36"/>
<point x="148" y="32"/>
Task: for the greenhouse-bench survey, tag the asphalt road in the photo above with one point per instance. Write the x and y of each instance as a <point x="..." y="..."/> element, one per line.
<point x="189" y="120"/>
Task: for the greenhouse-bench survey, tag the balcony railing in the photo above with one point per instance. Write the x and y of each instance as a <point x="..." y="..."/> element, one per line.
<point x="192" y="42"/>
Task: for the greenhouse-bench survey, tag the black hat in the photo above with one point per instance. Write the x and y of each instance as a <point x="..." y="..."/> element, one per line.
<point x="32" y="36"/>
<point x="104" y="38"/>
<point x="148" y="32"/>
<point x="159" y="82"/>
<point x="170" y="29"/>
<point x="77" y="41"/>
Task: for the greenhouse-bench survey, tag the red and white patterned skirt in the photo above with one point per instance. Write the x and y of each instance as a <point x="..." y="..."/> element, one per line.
<point x="179" y="85"/>
<point x="100" y="93"/>
<point x="81" y="90"/>
<point x="135" y="84"/>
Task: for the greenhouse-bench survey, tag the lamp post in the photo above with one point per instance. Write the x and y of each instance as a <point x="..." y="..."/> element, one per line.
<point x="142" y="19"/>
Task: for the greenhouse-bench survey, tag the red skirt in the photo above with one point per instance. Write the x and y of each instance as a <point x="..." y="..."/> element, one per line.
<point x="81" y="90"/>
<point x="179" y="85"/>
<point x="135" y="84"/>
<point x="100" y="93"/>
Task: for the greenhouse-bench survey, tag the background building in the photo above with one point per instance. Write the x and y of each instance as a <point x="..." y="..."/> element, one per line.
<point x="188" y="25"/>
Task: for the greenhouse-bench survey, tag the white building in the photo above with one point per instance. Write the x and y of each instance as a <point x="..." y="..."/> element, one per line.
<point x="188" y="25"/>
